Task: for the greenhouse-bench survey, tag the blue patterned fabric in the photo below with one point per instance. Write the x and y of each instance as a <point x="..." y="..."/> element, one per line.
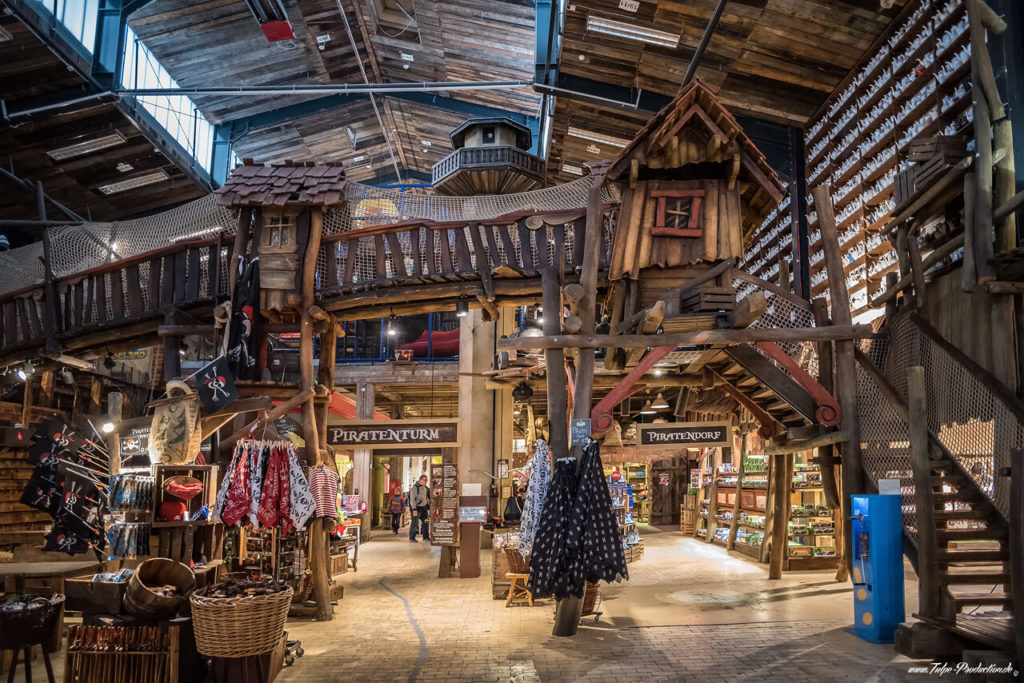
<point x="536" y="494"/>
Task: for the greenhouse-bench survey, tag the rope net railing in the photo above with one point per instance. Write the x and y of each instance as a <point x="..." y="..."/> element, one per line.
<point x="78" y="248"/>
<point x="783" y="313"/>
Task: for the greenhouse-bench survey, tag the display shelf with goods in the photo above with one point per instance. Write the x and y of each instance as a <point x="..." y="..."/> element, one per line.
<point x="914" y="86"/>
<point x="623" y="506"/>
<point x="706" y="486"/>
<point x="811" y="528"/>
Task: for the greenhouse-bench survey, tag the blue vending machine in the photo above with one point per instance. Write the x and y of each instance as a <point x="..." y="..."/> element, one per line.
<point x="877" y="567"/>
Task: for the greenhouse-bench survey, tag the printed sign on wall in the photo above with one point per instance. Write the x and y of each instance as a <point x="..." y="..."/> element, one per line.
<point x="393" y="433"/>
<point x="689" y="434"/>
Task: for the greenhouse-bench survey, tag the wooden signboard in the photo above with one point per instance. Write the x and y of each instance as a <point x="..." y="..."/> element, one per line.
<point x="444" y="504"/>
<point x="133" y="441"/>
<point x="393" y="433"/>
<point x="15" y="437"/>
<point x="686" y="434"/>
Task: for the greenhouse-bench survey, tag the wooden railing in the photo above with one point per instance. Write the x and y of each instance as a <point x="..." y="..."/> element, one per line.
<point x="409" y="253"/>
<point x="486" y="157"/>
<point x="119" y="293"/>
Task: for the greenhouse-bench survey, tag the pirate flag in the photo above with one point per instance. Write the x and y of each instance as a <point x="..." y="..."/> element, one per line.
<point x="79" y="494"/>
<point x="215" y="385"/>
<point x="65" y="540"/>
<point x="42" y="491"/>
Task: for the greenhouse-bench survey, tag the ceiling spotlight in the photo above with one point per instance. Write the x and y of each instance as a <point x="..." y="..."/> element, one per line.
<point x="462" y="308"/>
<point x="392" y="326"/>
<point x="648" y="409"/>
<point x="515" y="410"/>
<point x="66" y="376"/>
<point x="660" y="403"/>
<point x="658" y="372"/>
<point x="107" y="427"/>
<point x="26" y="371"/>
<point x="522" y="392"/>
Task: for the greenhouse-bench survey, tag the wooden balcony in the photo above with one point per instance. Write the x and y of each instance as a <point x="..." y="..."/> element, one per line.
<point x="488" y="170"/>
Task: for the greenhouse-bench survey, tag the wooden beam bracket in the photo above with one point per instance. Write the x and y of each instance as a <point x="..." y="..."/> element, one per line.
<point x="601" y="415"/>
<point x="828" y="412"/>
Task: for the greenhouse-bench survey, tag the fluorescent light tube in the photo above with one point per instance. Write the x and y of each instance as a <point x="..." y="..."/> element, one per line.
<point x="621" y="29"/>
<point x="132" y="183"/>
<point x="88" y="147"/>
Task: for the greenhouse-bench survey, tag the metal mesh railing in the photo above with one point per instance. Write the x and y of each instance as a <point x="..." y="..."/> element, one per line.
<point x="970" y="420"/>
<point x="783" y="312"/>
<point x="885" y="448"/>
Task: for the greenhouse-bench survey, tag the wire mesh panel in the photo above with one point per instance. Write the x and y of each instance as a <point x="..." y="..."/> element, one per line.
<point x="885" y="445"/>
<point x="782" y="312"/>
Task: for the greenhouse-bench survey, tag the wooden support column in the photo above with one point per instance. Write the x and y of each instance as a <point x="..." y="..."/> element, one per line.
<point x="311" y="434"/>
<point x="51" y="313"/>
<point x="924" y="504"/>
<point x="239" y="248"/>
<point x="172" y="350"/>
<point x="983" y="237"/>
<point x="568" y="611"/>
<point x="826" y="368"/>
<point x="734" y="529"/>
<point x="47" y="380"/>
<point x="1017" y="544"/>
<point x="325" y="378"/>
<point x="780" y="513"/>
<point x="95" y="395"/>
<point x="846" y="370"/>
<point x="115" y="413"/>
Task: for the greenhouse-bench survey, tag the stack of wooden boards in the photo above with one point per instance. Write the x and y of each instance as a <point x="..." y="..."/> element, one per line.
<point x="930" y="159"/>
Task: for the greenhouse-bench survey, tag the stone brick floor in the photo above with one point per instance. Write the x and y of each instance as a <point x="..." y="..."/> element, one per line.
<point x="691" y="612"/>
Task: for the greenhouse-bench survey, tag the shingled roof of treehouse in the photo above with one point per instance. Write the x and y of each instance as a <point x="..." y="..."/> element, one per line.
<point x="290" y="183"/>
<point x="695" y="148"/>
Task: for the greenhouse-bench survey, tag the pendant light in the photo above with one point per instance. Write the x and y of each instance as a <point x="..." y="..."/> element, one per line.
<point x="392" y="326"/>
<point x="660" y="403"/>
<point x="647" y="409"/>
<point x="462" y="308"/>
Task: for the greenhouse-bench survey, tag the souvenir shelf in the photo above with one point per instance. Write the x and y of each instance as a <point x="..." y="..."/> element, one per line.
<point x="811" y="533"/>
<point x="622" y="505"/>
<point x="916" y="85"/>
<point x="637" y="477"/>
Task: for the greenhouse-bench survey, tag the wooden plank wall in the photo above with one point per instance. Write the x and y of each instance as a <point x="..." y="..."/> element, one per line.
<point x="962" y="318"/>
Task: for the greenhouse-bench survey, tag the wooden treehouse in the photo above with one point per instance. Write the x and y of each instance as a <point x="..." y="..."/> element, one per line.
<point x="693" y="185"/>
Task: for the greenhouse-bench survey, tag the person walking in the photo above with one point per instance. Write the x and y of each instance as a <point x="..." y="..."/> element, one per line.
<point x="419" y="505"/>
<point x="396" y="508"/>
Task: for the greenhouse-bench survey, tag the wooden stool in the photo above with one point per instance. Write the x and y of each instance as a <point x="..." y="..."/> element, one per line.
<point x="518" y="593"/>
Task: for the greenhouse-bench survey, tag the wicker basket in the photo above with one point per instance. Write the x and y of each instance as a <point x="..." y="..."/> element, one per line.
<point x="239" y="627"/>
<point x="30" y="626"/>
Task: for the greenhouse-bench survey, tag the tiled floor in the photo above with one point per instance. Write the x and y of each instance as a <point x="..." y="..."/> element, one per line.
<point x="691" y="612"/>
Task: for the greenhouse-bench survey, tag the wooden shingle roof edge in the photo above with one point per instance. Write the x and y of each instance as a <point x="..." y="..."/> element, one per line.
<point x="289" y="183"/>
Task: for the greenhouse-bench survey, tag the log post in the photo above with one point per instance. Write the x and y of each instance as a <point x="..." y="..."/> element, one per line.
<point x="734" y="529"/>
<point x="769" y="516"/>
<point x="903" y="256"/>
<point x="1017" y="544"/>
<point x="325" y="378"/>
<point x="239" y="248"/>
<point x="568" y="610"/>
<point x="780" y="518"/>
<point x="318" y="531"/>
<point x="826" y="378"/>
<point x="968" y="275"/>
<point x="983" y="237"/>
<point x="924" y="504"/>
<point x="846" y="370"/>
<point x="115" y="412"/>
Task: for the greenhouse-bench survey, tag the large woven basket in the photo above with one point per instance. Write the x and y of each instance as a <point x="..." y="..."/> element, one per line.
<point x="30" y="626"/>
<point x="239" y="627"/>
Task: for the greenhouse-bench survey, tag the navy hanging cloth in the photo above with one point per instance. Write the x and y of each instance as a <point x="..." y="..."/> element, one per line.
<point x="578" y="537"/>
<point x="244" y="337"/>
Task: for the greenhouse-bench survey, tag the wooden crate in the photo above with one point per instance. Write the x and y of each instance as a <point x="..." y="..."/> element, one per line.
<point x="499" y="567"/>
<point x="688" y="520"/>
<point x="339" y="564"/>
<point x="124" y="667"/>
<point x="82" y="594"/>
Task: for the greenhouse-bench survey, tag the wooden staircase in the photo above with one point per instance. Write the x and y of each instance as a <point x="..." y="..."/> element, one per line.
<point x="972" y="545"/>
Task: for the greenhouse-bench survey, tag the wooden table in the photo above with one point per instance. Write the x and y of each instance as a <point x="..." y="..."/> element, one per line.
<point x="17" y="576"/>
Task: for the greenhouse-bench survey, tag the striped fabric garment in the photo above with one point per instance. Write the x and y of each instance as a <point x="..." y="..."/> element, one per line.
<point x="323" y="482"/>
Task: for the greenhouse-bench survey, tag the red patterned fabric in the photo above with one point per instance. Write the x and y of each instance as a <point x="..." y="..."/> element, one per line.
<point x="271" y="497"/>
<point x="284" y="509"/>
<point x="240" y="495"/>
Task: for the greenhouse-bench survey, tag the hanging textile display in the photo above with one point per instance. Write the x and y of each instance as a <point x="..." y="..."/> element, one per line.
<point x="215" y="385"/>
<point x="577" y="539"/>
<point x="536" y="494"/>
<point x="264" y="485"/>
<point x="323" y="482"/>
<point x="176" y="432"/>
<point x="243" y="333"/>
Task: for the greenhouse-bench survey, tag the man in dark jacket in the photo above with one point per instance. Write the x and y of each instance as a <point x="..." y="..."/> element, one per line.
<point x="419" y="507"/>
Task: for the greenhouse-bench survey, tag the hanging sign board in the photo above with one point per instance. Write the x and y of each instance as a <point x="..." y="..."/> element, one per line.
<point x="444" y="504"/>
<point x="133" y="441"/>
<point x="393" y="433"/>
<point x="579" y="432"/>
<point x="689" y="434"/>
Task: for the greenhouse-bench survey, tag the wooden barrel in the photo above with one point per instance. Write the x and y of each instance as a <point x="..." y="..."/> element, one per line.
<point x="142" y="602"/>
